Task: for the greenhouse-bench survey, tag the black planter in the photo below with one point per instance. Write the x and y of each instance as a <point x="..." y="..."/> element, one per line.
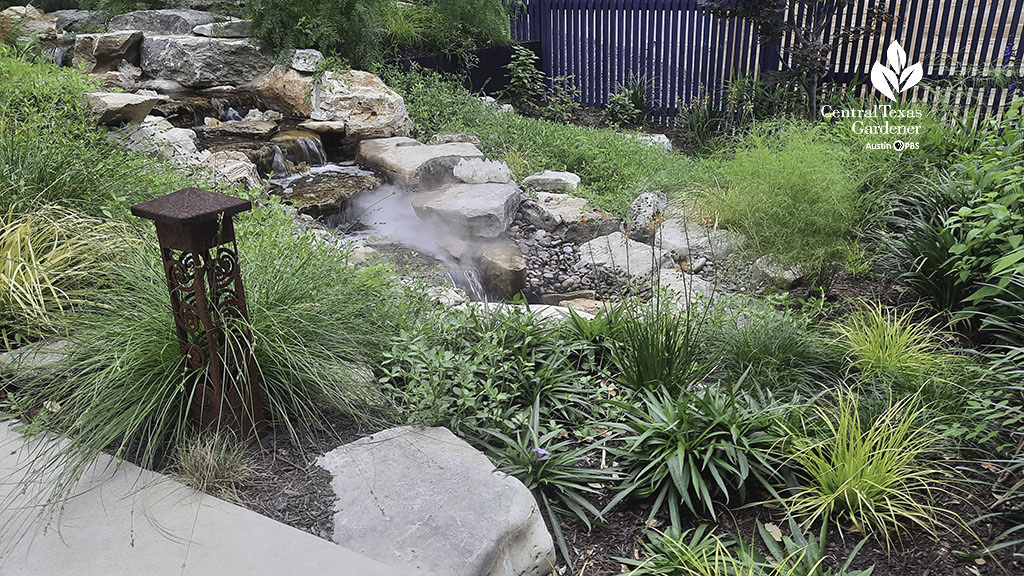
<point x="489" y="75"/>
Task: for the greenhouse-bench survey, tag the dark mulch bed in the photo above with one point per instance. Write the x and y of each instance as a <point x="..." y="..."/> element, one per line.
<point x="953" y="554"/>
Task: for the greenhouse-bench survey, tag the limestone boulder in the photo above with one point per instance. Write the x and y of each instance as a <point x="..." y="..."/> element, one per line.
<point x="199" y="62"/>
<point x="424" y="500"/>
<point x="119" y="107"/>
<point x="656" y="140"/>
<point x="158" y="137"/>
<point x="767" y="269"/>
<point x="178" y="21"/>
<point x="99" y="53"/>
<point x="32" y="21"/>
<point x="574" y="217"/>
<point x="79" y="20"/>
<point x="256" y="128"/>
<point x="232" y="168"/>
<point x="502" y="269"/>
<point x="685" y="286"/>
<point x="227" y="29"/>
<point x="412" y="164"/>
<point x="323" y="127"/>
<point x="478" y="210"/>
<point x="366" y="105"/>
<point x="690" y="241"/>
<point x="481" y="171"/>
<point x="306" y="60"/>
<point x="617" y="255"/>
<point x="645" y="214"/>
<point x="287" y="87"/>
<point x="551" y="181"/>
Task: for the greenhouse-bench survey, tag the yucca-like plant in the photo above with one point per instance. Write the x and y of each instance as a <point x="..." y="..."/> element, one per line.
<point x="555" y="468"/>
<point x="692" y="448"/>
<point x="878" y="478"/>
<point x="45" y="257"/>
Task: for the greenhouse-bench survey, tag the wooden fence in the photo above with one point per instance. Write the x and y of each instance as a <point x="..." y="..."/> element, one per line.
<point x="683" y="52"/>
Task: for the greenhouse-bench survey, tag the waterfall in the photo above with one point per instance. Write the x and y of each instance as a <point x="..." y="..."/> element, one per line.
<point x="58" y="55"/>
<point x="313" y="151"/>
<point x="468" y="279"/>
<point x="224" y="111"/>
<point x="277" y="164"/>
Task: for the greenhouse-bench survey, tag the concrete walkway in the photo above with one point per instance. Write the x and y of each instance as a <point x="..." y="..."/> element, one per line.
<point x="129" y="521"/>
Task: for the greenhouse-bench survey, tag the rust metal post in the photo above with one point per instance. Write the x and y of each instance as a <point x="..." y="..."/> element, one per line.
<point x="200" y="257"/>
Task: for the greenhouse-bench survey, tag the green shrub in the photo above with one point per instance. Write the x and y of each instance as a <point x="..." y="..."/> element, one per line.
<point x="878" y="477"/>
<point x="350" y="29"/>
<point x="456" y="26"/>
<point x="124" y="386"/>
<point x="628" y="105"/>
<point x="693" y="448"/>
<point x="658" y="347"/>
<point x="775" y="348"/>
<point x="554" y="468"/>
<point x="614" y="168"/>
<point x="789" y="191"/>
<point x="473" y="370"/>
<point x="51" y="150"/>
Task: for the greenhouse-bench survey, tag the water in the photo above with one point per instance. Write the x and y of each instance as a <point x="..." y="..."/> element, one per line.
<point x="277" y="164"/>
<point x="468" y="279"/>
<point x="313" y="151"/>
<point x="386" y="215"/>
<point x="58" y="55"/>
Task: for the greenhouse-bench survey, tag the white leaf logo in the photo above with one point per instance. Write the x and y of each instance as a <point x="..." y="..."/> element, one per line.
<point x="897" y="77"/>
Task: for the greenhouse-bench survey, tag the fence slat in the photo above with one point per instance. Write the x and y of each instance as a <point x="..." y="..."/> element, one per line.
<point x="684" y="52"/>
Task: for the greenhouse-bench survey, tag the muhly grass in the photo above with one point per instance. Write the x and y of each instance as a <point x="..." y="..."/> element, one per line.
<point x="124" y="387"/>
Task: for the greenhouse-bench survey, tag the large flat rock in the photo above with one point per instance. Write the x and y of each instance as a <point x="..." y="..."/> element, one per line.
<point x="119" y="107"/>
<point x="200" y="62"/>
<point x="412" y="164"/>
<point x="426" y="501"/>
<point x="618" y="255"/>
<point x="125" y="520"/>
<point x="168" y="21"/>
<point x="470" y="210"/>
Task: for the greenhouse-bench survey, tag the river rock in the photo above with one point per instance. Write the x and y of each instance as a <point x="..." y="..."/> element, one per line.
<point x="685" y="286"/>
<point x="119" y="107"/>
<point x="411" y="163"/>
<point x="482" y="171"/>
<point x="199" y="62"/>
<point x="366" y="105"/>
<point x="617" y="255"/>
<point x="480" y="210"/>
<point x="99" y="53"/>
<point x="644" y="214"/>
<point x="179" y="21"/>
<point x="288" y="87"/>
<point x="233" y="168"/>
<point x="32" y="21"/>
<point x="79" y="20"/>
<point x="424" y="500"/>
<point x="502" y="269"/>
<point x="575" y="218"/>
<point x="158" y="137"/>
<point x="306" y="60"/>
<point x="550" y="180"/>
<point x="228" y="29"/>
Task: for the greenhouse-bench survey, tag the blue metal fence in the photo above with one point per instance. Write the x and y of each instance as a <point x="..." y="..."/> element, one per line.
<point x="686" y="53"/>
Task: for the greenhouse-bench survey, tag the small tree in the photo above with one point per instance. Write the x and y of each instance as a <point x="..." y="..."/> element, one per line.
<point x="807" y="60"/>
